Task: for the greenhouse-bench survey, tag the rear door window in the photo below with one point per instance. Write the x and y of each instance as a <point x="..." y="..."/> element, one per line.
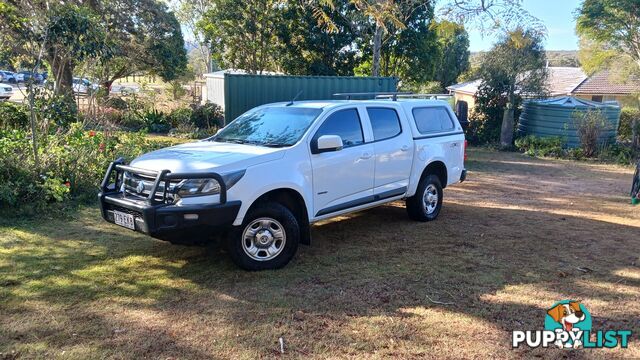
<point x="432" y="119"/>
<point x="384" y="122"/>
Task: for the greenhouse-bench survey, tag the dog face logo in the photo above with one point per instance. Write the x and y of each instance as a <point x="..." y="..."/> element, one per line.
<point x="567" y="315"/>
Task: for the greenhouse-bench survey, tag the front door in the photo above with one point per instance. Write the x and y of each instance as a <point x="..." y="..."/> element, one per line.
<point x="342" y="178"/>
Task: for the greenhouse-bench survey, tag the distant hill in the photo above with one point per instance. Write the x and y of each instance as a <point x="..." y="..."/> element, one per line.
<point x="568" y="58"/>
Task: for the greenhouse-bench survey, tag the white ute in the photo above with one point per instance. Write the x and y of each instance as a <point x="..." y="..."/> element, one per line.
<point x="276" y="169"/>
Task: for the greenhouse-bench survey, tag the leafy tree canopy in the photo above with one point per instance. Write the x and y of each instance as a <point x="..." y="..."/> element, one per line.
<point x="610" y="33"/>
<point x="514" y="68"/>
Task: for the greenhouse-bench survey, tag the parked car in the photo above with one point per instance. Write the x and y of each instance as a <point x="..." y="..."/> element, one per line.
<point x="269" y="174"/>
<point x="25" y="75"/>
<point x="6" y="91"/>
<point x="7" y="77"/>
<point x="84" y="86"/>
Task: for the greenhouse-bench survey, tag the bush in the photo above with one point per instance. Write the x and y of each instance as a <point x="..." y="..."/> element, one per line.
<point x="540" y="146"/>
<point x="116" y="103"/>
<point x="589" y="126"/>
<point x="13" y="116"/>
<point x="621" y="153"/>
<point x="156" y="121"/>
<point x="625" y="129"/>
<point x="180" y="117"/>
<point x="208" y="116"/>
<point x="72" y="164"/>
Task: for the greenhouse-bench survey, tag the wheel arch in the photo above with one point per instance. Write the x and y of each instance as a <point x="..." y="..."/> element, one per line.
<point x="292" y="200"/>
<point x="437" y="168"/>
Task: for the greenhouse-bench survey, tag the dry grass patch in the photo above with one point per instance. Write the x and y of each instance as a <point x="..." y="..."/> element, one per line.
<point x="373" y="284"/>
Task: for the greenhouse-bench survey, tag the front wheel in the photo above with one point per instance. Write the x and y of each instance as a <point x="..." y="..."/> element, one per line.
<point x="425" y="205"/>
<point x="267" y="239"/>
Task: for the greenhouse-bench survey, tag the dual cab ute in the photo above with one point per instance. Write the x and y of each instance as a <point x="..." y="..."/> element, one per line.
<point x="265" y="177"/>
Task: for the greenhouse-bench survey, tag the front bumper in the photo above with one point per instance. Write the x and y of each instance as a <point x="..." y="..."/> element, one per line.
<point x="163" y="219"/>
<point x="157" y="216"/>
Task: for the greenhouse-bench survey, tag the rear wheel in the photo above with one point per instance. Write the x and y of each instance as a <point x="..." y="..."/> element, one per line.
<point x="267" y="239"/>
<point x="425" y="205"/>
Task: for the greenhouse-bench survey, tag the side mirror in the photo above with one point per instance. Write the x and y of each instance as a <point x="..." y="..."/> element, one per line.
<point x="326" y="143"/>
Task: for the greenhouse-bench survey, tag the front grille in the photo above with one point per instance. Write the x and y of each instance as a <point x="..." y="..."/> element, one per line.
<point x="139" y="186"/>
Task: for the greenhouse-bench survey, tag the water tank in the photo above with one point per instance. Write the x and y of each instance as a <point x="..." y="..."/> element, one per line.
<point x="557" y="117"/>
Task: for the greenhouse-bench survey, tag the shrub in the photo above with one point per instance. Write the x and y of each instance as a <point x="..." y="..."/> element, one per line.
<point x="627" y="117"/>
<point x="116" y="103"/>
<point x="156" y="121"/>
<point x="13" y="116"/>
<point x="540" y="146"/>
<point x="132" y="121"/>
<point x="208" y="116"/>
<point x="589" y="126"/>
<point x="180" y="117"/>
<point x="621" y="153"/>
<point x="72" y="164"/>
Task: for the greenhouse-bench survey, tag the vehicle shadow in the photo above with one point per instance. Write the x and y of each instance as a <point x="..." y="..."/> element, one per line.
<point x="371" y="281"/>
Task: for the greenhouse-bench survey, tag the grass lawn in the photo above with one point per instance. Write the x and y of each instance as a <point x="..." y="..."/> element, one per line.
<point x="507" y="245"/>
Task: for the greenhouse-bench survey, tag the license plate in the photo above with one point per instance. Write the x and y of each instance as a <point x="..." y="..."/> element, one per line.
<point x="124" y="219"/>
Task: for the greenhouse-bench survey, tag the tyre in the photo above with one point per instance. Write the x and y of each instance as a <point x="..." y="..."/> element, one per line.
<point x="267" y="239"/>
<point x="425" y="205"/>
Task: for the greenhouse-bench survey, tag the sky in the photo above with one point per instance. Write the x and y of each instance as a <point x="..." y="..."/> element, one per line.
<point x="557" y="15"/>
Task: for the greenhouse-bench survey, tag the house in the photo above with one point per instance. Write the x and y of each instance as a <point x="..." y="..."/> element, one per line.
<point x="602" y="86"/>
<point x="566" y="81"/>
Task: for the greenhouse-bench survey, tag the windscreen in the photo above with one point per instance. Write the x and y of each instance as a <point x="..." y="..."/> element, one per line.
<point x="269" y="126"/>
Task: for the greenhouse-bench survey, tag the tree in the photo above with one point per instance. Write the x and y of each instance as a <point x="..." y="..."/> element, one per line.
<point x="486" y="14"/>
<point x="144" y="37"/>
<point x="190" y="13"/>
<point x="242" y="33"/>
<point x="615" y="24"/>
<point x="307" y="48"/>
<point x="127" y="36"/>
<point x="409" y="51"/>
<point x="453" y="42"/>
<point x="610" y="32"/>
<point x="514" y="67"/>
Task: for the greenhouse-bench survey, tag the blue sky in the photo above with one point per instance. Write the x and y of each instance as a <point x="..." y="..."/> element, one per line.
<point x="557" y="15"/>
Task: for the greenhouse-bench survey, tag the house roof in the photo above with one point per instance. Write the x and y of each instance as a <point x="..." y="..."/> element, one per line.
<point x="467" y="87"/>
<point x="602" y="83"/>
<point x="561" y="81"/>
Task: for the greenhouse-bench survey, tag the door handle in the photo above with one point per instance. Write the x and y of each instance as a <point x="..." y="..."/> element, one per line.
<point x="365" y="156"/>
<point x="404" y="147"/>
<point x="454" y="144"/>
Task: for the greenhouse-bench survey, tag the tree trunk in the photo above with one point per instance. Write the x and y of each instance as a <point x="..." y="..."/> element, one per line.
<point x="377" y="49"/>
<point x="63" y="72"/>
<point x="506" y="132"/>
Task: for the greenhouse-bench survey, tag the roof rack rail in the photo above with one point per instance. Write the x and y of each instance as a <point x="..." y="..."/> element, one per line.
<point x="392" y="94"/>
<point x="417" y="96"/>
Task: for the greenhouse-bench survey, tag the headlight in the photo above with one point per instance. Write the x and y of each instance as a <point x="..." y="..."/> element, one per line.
<point x="202" y="187"/>
<point x="192" y="187"/>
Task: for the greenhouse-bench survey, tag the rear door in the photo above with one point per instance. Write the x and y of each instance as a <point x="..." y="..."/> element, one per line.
<point x="393" y="147"/>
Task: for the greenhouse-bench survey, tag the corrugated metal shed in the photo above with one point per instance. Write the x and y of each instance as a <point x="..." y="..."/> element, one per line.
<point x="243" y="92"/>
<point x="556" y="117"/>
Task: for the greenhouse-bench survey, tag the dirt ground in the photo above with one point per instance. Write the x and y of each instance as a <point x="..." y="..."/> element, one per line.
<point x="518" y="236"/>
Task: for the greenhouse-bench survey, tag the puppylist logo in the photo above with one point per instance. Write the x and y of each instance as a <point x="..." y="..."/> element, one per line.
<point x="568" y="325"/>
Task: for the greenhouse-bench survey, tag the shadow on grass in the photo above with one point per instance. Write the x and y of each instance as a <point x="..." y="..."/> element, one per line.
<point x="496" y="268"/>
